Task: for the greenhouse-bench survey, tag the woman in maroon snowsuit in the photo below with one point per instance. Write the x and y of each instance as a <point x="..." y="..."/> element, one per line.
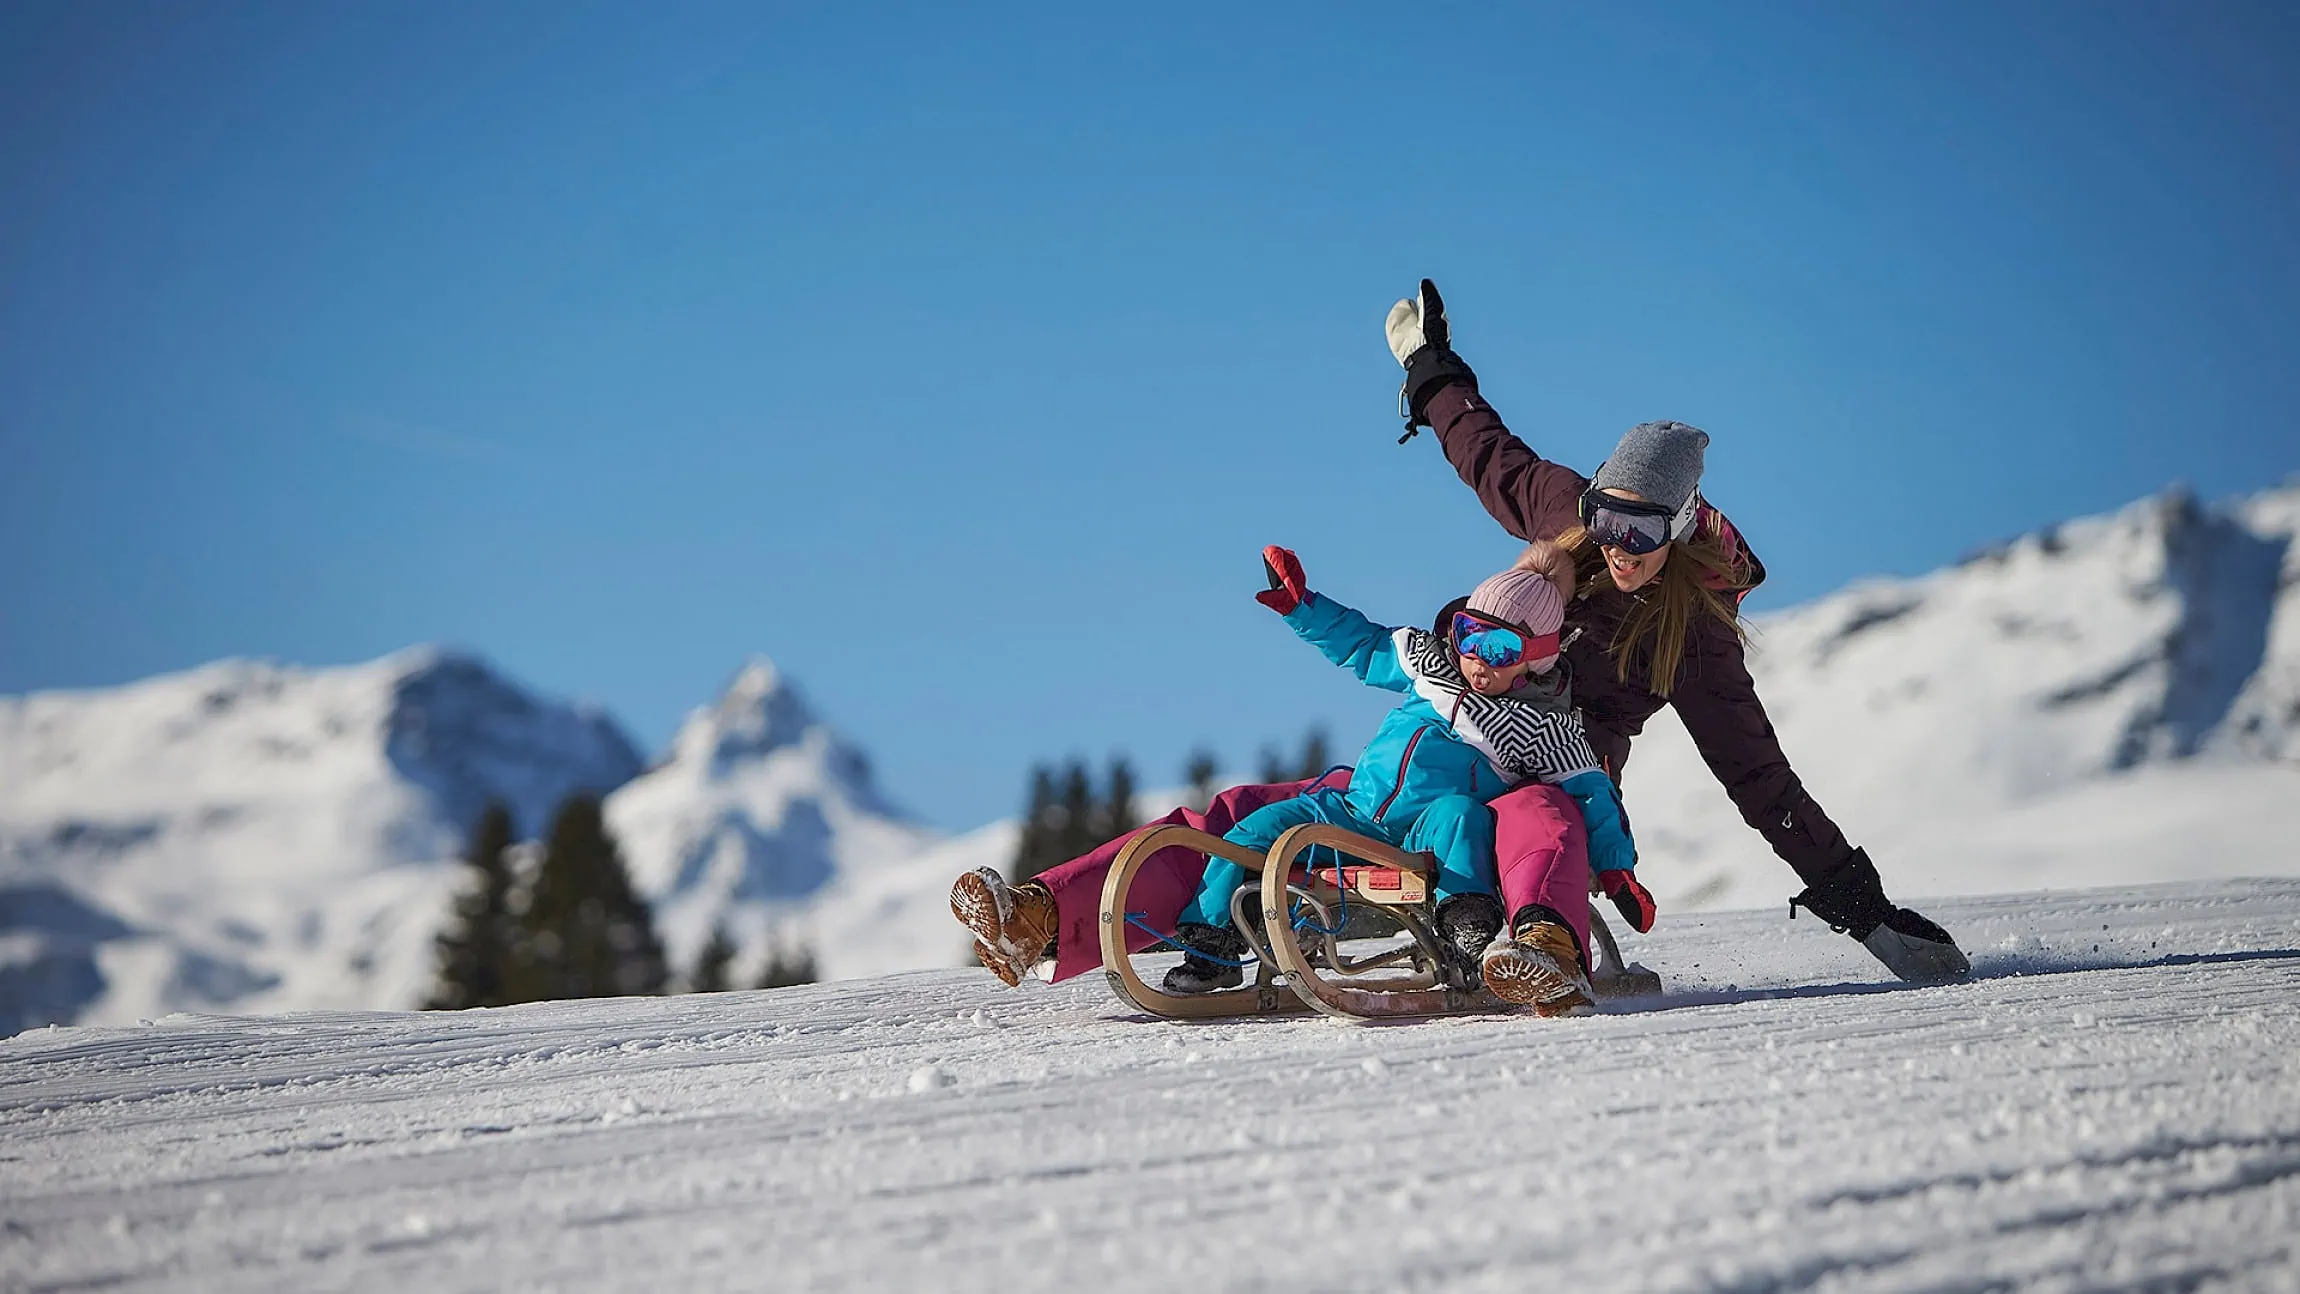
<point x="1656" y="615"/>
<point x="1654" y="623"/>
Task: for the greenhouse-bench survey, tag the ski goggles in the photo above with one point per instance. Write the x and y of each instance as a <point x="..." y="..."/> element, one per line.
<point x="1497" y="644"/>
<point x="1632" y="526"/>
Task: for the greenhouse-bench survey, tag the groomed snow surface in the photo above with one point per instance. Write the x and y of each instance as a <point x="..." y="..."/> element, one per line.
<point x="2114" y="1102"/>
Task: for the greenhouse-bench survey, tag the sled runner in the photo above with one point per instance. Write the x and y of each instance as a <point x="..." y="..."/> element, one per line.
<point x="1296" y="933"/>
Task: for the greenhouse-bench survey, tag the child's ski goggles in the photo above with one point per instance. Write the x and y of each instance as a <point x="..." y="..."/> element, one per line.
<point x="1632" y="526"/>
<point x="1498" y="645"/>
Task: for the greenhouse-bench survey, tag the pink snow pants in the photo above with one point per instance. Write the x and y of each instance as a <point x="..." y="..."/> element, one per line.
<point x="1540" y="847"/>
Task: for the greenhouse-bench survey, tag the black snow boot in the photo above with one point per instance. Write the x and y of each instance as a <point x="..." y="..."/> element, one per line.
<point x="1211" y="962"/>
<point x="1466" y="923"/>
<point x="1852" y="900"/>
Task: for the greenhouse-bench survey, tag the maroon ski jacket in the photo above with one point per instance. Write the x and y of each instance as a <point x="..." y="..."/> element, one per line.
<point x="1536" y="499"/>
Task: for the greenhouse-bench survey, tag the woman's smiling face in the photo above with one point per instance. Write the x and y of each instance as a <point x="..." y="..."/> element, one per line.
<point x="1633" y="571"/>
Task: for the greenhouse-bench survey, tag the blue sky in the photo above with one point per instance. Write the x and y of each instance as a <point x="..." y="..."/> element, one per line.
<point x="961" y="360"/>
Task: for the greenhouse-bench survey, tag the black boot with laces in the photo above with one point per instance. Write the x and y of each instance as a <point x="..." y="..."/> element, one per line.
<point x="1211" y="962"/>
<point x="1466" y="923"/>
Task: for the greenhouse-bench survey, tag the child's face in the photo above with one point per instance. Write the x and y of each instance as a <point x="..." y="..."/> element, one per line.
<point x="1492" y="680"/>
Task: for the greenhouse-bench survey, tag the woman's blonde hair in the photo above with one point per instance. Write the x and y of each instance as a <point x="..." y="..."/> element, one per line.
<point x="1699" y="578"/>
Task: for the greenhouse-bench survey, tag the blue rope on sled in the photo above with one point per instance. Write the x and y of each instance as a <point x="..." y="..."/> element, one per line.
<point x="1301" y="920"/>
<point x="1136" y="920"/>
<point x="1140" y="920"/>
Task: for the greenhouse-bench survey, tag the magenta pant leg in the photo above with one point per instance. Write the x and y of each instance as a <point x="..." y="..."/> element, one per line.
<point x="1168" y="879"/>
<point x="1541" y="849"/>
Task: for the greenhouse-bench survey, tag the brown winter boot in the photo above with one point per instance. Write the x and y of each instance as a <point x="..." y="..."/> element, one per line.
<point x="1540" y="966"/>
<point x="1013" y="925"/>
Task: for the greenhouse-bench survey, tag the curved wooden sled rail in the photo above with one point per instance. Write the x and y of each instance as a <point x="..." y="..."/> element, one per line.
<point x="1421" y="994"/>
<point x="1342" y="988"/>
<point x="1263" y="996"/>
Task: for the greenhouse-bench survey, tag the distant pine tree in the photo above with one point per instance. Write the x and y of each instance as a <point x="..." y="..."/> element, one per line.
<point x="477" y="948"/>
<point x="713" y="963"/>
<point x="588" y="932"/>
<point x="786" y="968"/>
<point x="1316" y="758"/>
<point x="1273" y="767"/>
<point x="1034" y="851"/>
<point x="1063" y="817"/>
<point x="1199" y="774"/>
<point x="1118" y="815"/>
<point x="1075" y="814"/>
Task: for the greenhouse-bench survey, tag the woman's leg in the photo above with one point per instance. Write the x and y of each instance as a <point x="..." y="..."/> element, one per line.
<point x="1541" y="853"/>
<point x="1168" y="879"/>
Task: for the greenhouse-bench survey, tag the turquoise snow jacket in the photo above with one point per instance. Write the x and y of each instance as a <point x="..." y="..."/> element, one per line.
<point x="1476" y="746"/>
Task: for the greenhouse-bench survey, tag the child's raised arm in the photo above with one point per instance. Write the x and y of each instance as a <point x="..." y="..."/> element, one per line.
<point x="1346" y="637"/>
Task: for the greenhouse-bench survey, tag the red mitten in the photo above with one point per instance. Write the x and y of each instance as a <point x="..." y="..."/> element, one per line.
<point x="1634" y="900"/>
<point x="1288" y="587"/>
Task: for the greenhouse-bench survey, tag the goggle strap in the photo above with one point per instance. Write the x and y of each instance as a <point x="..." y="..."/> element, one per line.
<point x="1681" y="525"/>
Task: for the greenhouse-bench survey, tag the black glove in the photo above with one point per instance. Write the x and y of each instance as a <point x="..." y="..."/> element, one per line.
<point x="1422" y="341"/>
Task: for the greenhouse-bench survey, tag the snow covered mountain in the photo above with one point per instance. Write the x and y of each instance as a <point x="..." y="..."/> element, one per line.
<point x="765" y="819"/>
<point x="259" y="837"/>
<point x="2113" y="700"/>
<point x="253" y="837"/>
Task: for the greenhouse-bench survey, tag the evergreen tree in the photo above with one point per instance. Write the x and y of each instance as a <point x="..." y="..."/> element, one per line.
<point x="1118" y="815"/>
<point x="1273" y="767"/>
<point x="1034" y="851"/>
<point x="1064" y="818"/>
<point x="1199" y="773"/>
<point x="713" y="963"/>
<point x="476" y="949"/>
<point x="787" y="968"/>
<point x="1075" y="812"/>
<point x="588" y="932"/>
<point x="1316" y="758"/>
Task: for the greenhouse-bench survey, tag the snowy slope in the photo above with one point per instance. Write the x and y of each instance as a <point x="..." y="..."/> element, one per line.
<point x="258" y="836"/>
<point x="2113" y="1104"/>
<point x="766" y="819"/>
<point x="2114" y="700"/>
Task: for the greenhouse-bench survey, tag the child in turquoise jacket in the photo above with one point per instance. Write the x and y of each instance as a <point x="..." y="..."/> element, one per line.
<point x="1487" y="708"/>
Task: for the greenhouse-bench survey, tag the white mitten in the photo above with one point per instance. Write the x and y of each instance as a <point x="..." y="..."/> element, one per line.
<point x="1404" y="327"/>
<point x="1416" y="322"/>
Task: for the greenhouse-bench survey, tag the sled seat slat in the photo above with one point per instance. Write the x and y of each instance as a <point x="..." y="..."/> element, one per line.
<point x="1392" y="885"/>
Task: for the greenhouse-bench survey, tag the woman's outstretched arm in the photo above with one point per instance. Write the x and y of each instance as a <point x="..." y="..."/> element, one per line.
<point x="1530" y="496"/>
<point x="1718" y="704"/>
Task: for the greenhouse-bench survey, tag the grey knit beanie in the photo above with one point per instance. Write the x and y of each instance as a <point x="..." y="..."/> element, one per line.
<point x="1659" y="460"/>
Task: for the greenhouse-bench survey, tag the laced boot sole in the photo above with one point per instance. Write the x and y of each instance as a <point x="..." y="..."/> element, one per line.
<point x="1011" y="931"/>
<point x="996" y="965"/>
<point x="1525" y="975"/>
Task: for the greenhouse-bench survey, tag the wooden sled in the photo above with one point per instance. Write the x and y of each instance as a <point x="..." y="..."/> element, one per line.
<point x="1310" y="970"/>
